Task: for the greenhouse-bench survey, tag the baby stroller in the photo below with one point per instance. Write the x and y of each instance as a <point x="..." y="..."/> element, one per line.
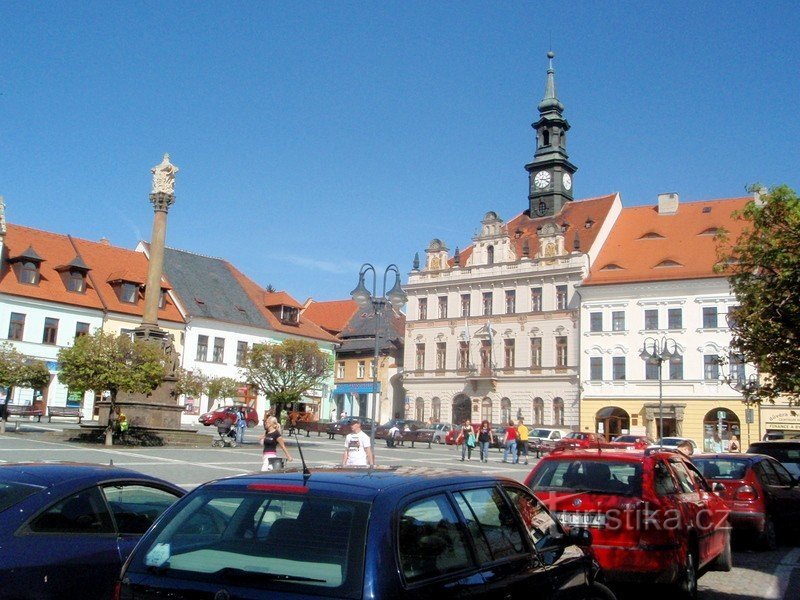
<point x="227" y="436"/>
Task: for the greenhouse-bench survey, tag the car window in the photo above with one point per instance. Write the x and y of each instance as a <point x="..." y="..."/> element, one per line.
<point x="541" y="526"/>
<point x="768" y="474"/>
<point x="556" y="435"/>
<point x="491" y="524"/>
<point x="685" y="480"/>
<point x="784" y="477"/>
<point x="12" y="492"/>
<point x="722" y="468"/>
<point x="663" y="482"/>
<point x="599" y="476"/>
<point x="265" y="536"/>
<point x="84" y="512"/>
<point x="430" y="542"/>
<point x="136" y="507"/>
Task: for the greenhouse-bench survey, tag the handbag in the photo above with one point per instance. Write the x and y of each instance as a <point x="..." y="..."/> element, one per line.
<point x="471" y="440"/>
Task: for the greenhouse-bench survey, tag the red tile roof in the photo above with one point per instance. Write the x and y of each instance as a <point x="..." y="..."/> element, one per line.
<point x="280" y="299"/>
<point x="332" y="315"/>
<point x="646" y="246"/>
<point x="105" y="263"/>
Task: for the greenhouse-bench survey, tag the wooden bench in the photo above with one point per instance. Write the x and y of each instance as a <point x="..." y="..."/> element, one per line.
<point x="309" y="426"/>
<point x="23" y="410"/>
<point x="64" y="411"/>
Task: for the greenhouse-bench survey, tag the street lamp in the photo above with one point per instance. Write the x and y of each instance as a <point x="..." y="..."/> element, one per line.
<point x="656" y="351"/>
<point x="748" y="387"/>
<point x="397" y="298"/>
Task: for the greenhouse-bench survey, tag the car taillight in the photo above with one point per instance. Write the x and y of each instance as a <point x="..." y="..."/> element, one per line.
<point x="117" y="590"/>
<point x="746" y="493"/>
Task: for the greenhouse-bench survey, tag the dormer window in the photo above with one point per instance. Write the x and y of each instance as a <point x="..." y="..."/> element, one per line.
<point x="128" y="292"/>
<point x="162" y="299"/>
<point x="76" y="282"/>
<point x="289" y="315"/>
<point x="29" y="273"/>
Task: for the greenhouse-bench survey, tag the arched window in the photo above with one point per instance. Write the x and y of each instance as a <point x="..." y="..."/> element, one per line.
<point x="505" y="411"/>
<point x="558" y="411"/>
<point x="718" y="427"/>
<point x="538" y="411"/>
<point x="76" y="282"/>
<point x="419" y="409"/>
<point x="490" y="255"/>
<point x="29" y="273"/>
<point x="462" y="409"/>
<point x="545" y="137"/>
<point x="436" y="410"/>
<point x="486" y="410"/>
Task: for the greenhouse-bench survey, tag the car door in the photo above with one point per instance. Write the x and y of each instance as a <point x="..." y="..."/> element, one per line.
<point x="78" y="555"/>
<point x="508" y="565"/>
<point x="434" y="555"/>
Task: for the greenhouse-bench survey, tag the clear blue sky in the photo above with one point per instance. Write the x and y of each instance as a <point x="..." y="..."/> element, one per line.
<point x="314" y="136"/>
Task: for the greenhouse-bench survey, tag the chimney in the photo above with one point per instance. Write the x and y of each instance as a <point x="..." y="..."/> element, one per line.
<point x="667" y="204"/>
<point x="104" y="241"/>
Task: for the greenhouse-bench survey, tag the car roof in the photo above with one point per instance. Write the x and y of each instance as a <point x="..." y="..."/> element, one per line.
<point x="731" y="456"/>
<point x="776" y="443"/>
<point x="363" y="483"/>
<point x="600" y="454"/>
<point x="53" y="473"/>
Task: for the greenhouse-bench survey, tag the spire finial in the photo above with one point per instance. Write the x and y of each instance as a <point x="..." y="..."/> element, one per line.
<point x="550" y="102"/>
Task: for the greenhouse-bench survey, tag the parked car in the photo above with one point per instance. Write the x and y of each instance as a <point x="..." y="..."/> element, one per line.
<point x="652" y="515"/>
<point x="66" y="528"/>
<point x="632" y="441"/>
<point x="222" y="414"/>
<point x="344" y="426"/>
<point x="581" y="439"/>
<point x="762" y="495"/>
<point x="383" y="430"/>
<point x="363" y="533"/>
<point x="671" y="443"/>
<point x="440" y="431"/>
<point x="786" y="452"/>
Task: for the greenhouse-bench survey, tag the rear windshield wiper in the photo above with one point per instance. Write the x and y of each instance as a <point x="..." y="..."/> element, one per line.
<point x="241" y="574"/>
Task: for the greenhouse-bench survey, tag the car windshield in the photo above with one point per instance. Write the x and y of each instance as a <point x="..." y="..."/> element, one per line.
<point x="598" y="476"/>
<point x="540" y="433"/>
<point x="671" y="441"/>
<point x="721" y="468"/>
<point x="265" y="535"/>
<point x="627" y="438"/>
<point x="12" y="492"/>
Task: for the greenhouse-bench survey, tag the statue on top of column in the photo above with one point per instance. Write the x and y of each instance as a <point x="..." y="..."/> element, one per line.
<point x="164" y="177"/>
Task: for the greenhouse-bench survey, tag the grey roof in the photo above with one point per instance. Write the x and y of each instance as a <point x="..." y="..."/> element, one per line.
<point x="359" y="334"/>
<point x="195" y="277"/>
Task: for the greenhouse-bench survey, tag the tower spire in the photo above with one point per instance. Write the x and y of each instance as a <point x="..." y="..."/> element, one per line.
<point x="550" y="101"/>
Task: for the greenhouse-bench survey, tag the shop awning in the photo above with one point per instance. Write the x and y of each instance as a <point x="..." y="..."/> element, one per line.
<point x="356" y="388"/>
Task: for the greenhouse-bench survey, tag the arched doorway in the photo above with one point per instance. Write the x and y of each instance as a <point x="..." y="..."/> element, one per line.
<point x="718" y="427"/>
<point x="611" y="421"/>
<point x="462" y="409"/>
<point x="419" y="409"/>
<point x="505" y="411"/>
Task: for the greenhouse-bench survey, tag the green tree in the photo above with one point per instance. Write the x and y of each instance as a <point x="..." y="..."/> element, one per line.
<point x="18" y="371"/>
<point x="221" y="387"/>
<point x="114" y="363"/>
<point x="764" y="272"/>
<point x="284" y="372"/>
<point x="190" y="383"/>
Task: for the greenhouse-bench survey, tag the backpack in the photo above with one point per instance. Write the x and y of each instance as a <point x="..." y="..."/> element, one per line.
<point x="471" y="439"/>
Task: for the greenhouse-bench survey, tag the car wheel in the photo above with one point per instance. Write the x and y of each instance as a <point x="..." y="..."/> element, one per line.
<point x="724" y="562"/>
<point x="600" y="592"/>
<point x="769" y="537"/>
<point x="687" y="583"/>
<point x="218" y="423"/>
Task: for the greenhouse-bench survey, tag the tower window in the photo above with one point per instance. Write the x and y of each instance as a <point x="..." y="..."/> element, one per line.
<point x="545" y="138"/>
<point x="490" y="255"/>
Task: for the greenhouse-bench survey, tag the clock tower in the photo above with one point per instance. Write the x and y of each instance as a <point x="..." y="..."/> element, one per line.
<point x="550" y="173"/>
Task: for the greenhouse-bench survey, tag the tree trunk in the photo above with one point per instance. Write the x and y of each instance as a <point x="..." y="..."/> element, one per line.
<point x="5" y="410"/>
<point x="112" y="417"/>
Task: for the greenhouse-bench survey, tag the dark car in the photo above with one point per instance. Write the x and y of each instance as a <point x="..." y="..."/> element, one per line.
<point x="653" y="516"/>
<point x="786" y="452"/>
<point x="345" y="426"/>
<point x="227" y="414"/>
<point x="362" y="533"/>
<point x="383" y="430"/>
<point x="763" y="496"/>
<point x="66" y="528"/>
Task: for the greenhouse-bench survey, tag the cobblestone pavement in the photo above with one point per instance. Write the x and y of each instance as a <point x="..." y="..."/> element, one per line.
<point x="756" y="575"/>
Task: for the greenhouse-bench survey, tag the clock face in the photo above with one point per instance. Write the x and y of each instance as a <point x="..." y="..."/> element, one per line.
<point x="542" y="179"/>
<point x="567" y="180"/>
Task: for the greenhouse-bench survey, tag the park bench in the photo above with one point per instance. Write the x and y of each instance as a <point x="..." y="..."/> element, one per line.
<point x="24" y="410"/>
<point x="309" y="426"/>
<point x="422" y="436"/>
<point x="64" y="411"/>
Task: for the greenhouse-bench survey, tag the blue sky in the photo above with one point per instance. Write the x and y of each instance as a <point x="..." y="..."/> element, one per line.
<point x="314" y="136"/>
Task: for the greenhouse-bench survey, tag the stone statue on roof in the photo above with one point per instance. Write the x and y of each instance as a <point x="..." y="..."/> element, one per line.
<point x="164" y="177"/>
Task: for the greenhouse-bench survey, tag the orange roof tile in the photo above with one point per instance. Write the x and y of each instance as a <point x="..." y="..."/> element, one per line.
<point x="256" y="293"/>
<point x="280" y="299"/>
<point x="646" y="246"/>
<point x="333" y="315"/>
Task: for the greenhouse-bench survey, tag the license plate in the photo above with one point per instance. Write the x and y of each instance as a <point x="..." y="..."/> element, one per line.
<point x="582" y="519"/>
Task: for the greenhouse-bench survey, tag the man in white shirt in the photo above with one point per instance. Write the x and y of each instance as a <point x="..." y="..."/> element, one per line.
<point x="357" y="448"/>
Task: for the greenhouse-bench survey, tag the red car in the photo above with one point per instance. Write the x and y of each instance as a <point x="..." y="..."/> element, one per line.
<point x="581" y="439"/>
<point x="632" y="441"/>
<point x="763" y="496"/>
<point x="219" y="415"/>
<point x="652" y="514"/>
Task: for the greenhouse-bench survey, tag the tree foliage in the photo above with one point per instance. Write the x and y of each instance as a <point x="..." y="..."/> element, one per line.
<point x="284" y="372"/>
<point x="18" y="371"/>
<point x="195" y="383"/>
<point x="221" y="387"/>
<point x="113" y="363"/>
<point x="764" y="272"/>
<point x="190" y="383"/>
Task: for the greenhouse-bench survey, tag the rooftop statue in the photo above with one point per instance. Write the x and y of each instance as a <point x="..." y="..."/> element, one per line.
<point x="164" y="177"/>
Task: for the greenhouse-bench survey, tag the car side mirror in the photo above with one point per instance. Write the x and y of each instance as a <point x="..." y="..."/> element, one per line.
<point x="718" y="488"/>
<point x="580" y="536"/>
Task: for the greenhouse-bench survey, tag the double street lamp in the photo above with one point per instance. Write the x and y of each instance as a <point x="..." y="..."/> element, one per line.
<point x="395" y="297"/>
<point x="656" y="351"/>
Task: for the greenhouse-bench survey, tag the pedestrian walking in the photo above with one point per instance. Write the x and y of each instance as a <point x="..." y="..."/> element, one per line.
<point x="511" y="443"/>
<point x="485" y="438"/>
<point x="466" y="439"/>
<point x="241" y="424"/>
<point x="333" y="414"/>
<point x="522" y="439"/>
<point x="271" y="440"/>
<point x="357" y="448"/>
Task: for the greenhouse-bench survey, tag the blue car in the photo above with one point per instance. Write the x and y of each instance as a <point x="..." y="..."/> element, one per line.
<point x="379" y="533"/>
<point x="66" y="528"/>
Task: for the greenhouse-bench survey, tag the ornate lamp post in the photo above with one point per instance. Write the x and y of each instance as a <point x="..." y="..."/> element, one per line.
<point x="748" y="388"/>
<point x="397" y="298"/>
<point x="656" y="351"/>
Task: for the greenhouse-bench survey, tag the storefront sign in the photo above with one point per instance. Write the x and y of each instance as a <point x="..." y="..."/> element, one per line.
<point x="781" y="419"/>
